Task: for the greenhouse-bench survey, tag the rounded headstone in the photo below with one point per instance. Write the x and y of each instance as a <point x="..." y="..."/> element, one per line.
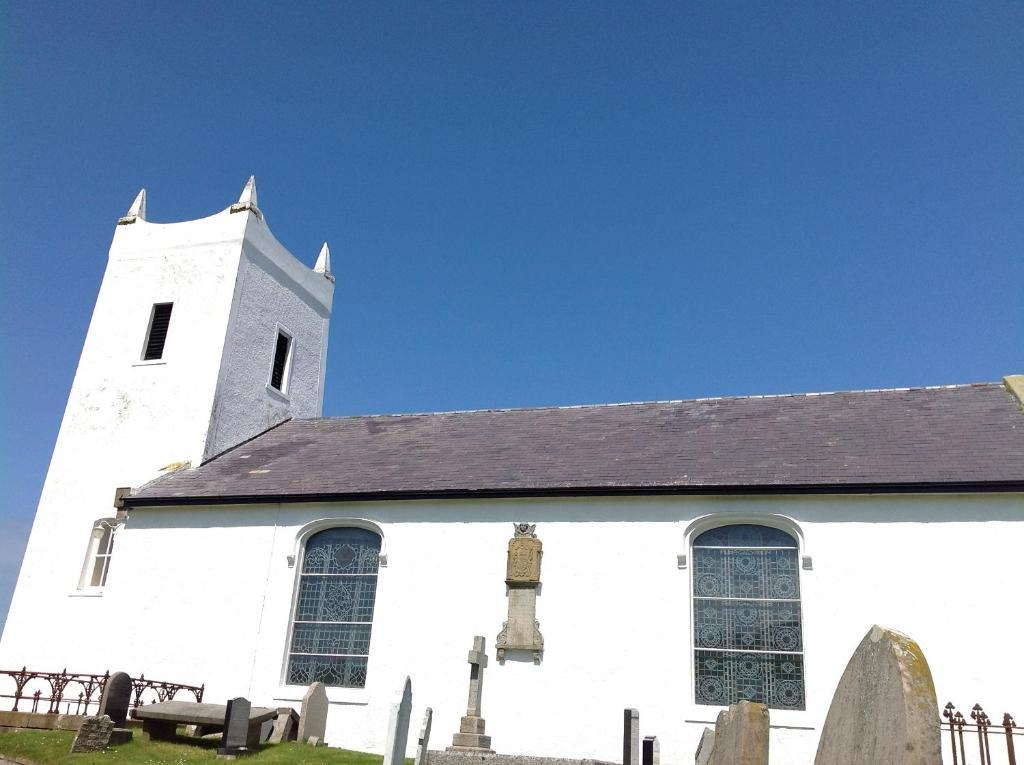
<point x="116" y="698"/>
<point x="884" y="709"/>
<point x="313" y="717"/>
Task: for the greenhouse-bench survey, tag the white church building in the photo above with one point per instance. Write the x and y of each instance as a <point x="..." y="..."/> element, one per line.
<point x="202" y="522"/>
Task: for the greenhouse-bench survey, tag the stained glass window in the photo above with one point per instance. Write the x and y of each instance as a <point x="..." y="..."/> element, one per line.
<point x="334" y="608"/>
<point x="748" y="641"/>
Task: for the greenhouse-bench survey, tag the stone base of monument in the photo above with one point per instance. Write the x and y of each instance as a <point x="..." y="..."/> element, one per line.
<point x="451" y="757"/>
<point x="120" y="736"/>
<point x="470" y="737"/>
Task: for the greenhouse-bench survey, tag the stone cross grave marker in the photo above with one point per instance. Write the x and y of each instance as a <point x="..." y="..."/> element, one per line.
<point x="236" y="727"/>
<point x="652" y="751"/>
<point x="884" y="708"/>
<point x="470" y="737"/>
<point x="116" y="698"/>
<point x="630" y="737"/>
<point x="93" y="735"/>
<point x="424" y="740"/>
<point x="313" y="717"/>
<point x="398" y="728"/>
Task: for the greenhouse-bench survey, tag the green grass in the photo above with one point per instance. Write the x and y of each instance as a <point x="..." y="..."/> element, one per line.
<point x="52" y="747"/>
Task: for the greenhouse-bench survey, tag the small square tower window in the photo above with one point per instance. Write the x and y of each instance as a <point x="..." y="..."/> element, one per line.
<point x="282" y="357"/>
<point x="159" y="321"/>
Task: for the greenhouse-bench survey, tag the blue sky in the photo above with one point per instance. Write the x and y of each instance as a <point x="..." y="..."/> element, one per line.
<point x="534" y="203"/>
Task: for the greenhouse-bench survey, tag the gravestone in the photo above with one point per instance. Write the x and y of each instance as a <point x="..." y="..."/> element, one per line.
<point x="741" y="735"/>
<point x="93" y="735"/>
<point x="705" y="747"/>
<point x="116" y="698"/>
<point x="630" y="737"/>
<point x="652" y="751"/>
<point x="236" y="737"/>
<point x="313" y="717"/>
<point x="398" y="728"/>
<point x="424" y="740"/>
<point x="285" y="726"/>
<point x="884" y="709"/>
<point x="470" y="737"/>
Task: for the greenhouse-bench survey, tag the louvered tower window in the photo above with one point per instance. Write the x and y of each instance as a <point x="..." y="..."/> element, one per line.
<point x="279" y="372"/>
<point x="158" y="324"/>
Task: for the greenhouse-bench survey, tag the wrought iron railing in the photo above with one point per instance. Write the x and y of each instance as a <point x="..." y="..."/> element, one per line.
<point x="74" y="692"/>
<point x="978" y="734"/>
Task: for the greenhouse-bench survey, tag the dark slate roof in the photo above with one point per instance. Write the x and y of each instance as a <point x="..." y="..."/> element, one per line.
<point x="969" y="437"/>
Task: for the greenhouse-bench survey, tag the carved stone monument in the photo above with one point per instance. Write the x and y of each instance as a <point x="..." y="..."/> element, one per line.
<point x="470" y="737"/>
<point x="630" y="737"/>
<point x="313" y="717"/>
<point x="93" y="735"/>
<point x="424" y="740"/>
<point x="398" y="728"/>
<point x="884" y="708"/>
<point x="116" y="698"/>
<point x="521" y="632"/>
<point x="740" y="737"/>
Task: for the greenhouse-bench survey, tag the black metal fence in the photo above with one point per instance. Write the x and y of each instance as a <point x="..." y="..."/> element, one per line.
<point x="74" y="692"/>
<point x="980" y="735"/>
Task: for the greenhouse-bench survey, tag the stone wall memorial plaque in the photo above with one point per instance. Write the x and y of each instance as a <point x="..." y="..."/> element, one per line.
<point x="521" y="631"/>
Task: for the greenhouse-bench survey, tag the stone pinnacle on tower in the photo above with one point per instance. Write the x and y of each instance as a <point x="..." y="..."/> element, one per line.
<point x="136" y="212"/>
<point x="323" y="262"/>
<point x="247" y="199"/>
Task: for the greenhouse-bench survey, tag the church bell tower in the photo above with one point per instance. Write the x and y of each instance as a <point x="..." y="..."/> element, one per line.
<point x="204" y="334"/>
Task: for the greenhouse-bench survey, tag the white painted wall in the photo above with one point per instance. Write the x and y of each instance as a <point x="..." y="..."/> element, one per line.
<point x="126" y="419"/>
<point x="204" y="595"/>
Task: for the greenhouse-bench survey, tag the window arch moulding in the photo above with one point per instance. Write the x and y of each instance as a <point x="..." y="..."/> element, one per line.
<point x="773" y="520"/>
<point x="311" y="528"/>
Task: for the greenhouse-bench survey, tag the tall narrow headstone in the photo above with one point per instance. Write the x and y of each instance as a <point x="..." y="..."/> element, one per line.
<point x="652" y="751"/>
<point x="705" y="748"/>
<point x="236" y="727"/>
<point x="470" y="737"/>
<point x="116" y="698"/>
<point x="424" y="740"/>
<point x="630" y="737"/>
<point x="313" y="717"/>
<point x="884" y="709"/>
<point x="741" y="735"/>
<point x="398" y="728"/>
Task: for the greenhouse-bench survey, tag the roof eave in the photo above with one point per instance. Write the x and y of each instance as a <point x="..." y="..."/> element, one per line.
<point x="914" y="487"/>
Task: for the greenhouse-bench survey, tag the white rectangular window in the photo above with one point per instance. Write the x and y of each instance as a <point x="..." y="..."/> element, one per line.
<point x="97" y="558"/>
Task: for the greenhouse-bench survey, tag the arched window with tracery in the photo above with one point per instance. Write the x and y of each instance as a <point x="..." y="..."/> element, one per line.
<point x="748" y="637"/>
<point x="330" y="640"/>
